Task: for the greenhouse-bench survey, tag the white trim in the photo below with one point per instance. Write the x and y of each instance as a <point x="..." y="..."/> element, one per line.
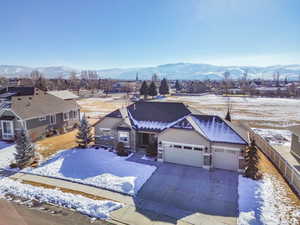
<point x="183" y="144"/>
<point x="226" y="148"/>
<point x="126" y="143"/>
<point x="206" y="167"/>
<point x="9" y="110"/>
<point x="7" y="136"/>
<point x="42" y="118"/>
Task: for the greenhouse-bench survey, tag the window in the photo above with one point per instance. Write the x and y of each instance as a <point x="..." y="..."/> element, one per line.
<point x="7" y="130"/>
<point x="53" y="119"/>
<point x="42" y="118"/>
<point x="198" y="149"/>
<point x="66" y="116"/>
<point x="187" y="147"/>
<point x="75" y="115"/>
<point x="105" y="131"/>
<point x="7" y="127"/>
<point x="124" y="137"/>
<point x="177" y="146"/>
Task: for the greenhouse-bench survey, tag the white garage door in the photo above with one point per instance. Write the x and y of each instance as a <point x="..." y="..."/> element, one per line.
<point x="185" y="155"/>
<point x="225" y="159"/>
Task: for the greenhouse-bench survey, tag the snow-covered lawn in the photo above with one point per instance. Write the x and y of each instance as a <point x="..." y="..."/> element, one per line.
<point x="96" y="167"/>
<point x="94" y="208"/>
<point x="265" y="202"/>
<point x="275" y="136"/>
<point x="6" y="155"/>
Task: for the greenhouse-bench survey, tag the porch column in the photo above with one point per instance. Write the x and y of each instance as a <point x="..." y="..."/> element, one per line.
<point x="207" y="158"/>
<point x="242" y="164"/>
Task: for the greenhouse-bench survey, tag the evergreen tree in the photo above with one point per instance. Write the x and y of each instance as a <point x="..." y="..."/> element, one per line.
<point x="152" y="89"/>
<point x="251" y="160"/>
<point x="84" y="135"/>
<point x="164" y="88"/>
<point x="228" y="116"/>
<point x="144" y="89"/>
<point x="25" y="150"/>
<point x="177" y="86"/>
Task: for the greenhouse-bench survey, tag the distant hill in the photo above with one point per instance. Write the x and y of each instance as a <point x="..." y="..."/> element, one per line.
<point x="186" y="71"/>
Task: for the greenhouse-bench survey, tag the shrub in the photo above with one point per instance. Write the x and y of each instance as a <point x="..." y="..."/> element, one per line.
<point x="13" y="165"/>
<point x="121" y="149"/>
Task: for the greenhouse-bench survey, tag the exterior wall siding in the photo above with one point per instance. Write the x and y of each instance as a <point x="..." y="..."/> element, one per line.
<point x="183" y="136"/>
<point x="295" y="146"/>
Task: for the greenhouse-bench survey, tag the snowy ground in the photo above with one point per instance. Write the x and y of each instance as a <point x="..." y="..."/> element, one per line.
<point x="93" y="208"/>
<point x="274" y="136"/>
<point x="6" y="154"/>
<point x="271" y="112"/>
<point x="265" y="202"/>
<point x="276" y="112"/>
<point x="96" y="167"/>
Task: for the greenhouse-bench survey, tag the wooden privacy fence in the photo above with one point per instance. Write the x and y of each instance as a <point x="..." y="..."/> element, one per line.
<point x="289" y="172"/>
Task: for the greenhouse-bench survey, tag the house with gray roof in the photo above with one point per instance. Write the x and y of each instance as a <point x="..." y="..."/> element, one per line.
<point x="40" y="112"/>
<point x="184" y="135"/>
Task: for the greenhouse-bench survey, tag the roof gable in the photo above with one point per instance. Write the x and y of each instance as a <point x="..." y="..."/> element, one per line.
<point x="115" y="114"/>
<point x="183" y="124"/>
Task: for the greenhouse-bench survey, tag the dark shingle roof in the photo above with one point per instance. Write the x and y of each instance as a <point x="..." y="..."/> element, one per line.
<point x="115" y="114"/>
<point x="20" y="91"/>
<point x="158" y="111"/>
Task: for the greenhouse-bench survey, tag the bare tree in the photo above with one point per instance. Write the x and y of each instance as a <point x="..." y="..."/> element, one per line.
<point x="226" y="76"/>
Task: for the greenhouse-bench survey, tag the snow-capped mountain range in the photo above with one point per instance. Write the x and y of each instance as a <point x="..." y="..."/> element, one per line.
<point x="186" y="71"/>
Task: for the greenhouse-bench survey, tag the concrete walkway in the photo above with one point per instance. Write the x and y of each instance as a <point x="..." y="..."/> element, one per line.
<point x="75" y="187"/>
<point x="127" y="215"/>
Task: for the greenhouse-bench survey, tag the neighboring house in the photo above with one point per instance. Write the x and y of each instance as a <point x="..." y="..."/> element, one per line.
<point x="295" y="145"/>
<point x="41" y="113"/>
<point x="184" y="136"/>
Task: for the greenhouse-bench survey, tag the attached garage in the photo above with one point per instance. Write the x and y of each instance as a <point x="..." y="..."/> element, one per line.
<point x="184" y="154"/>
<point x="226" y="159"/>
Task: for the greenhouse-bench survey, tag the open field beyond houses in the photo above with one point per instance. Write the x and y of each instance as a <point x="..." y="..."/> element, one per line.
<point x="259" y="112"/>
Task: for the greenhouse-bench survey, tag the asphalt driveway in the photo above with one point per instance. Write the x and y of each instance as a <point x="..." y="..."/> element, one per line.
<point x="182" y="191"/>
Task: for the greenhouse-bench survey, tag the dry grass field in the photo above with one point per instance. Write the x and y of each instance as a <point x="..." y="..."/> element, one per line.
<point x="266" y="167"/>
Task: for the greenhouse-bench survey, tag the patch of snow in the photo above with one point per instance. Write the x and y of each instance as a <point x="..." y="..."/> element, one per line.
<point x="265" y="202"/>
<point x="4" y="144"/>
<point x="148" y="158"/>
<point x="7" y="156"/>
<point x="153" y="125"/>
<point x="93" y="208"/>
<point x="274" y="136"/>
<point x="96" y="167"/>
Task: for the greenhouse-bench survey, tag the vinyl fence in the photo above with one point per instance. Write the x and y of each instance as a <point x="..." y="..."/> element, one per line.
<point x="290" y="173"/>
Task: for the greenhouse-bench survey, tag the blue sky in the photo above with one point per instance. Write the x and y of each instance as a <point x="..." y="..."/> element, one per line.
<point x="128" y="33"/>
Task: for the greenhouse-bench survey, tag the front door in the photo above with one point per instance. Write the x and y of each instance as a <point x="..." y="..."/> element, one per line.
<point x="145" y="139"/>
<point x="7" y="129"/>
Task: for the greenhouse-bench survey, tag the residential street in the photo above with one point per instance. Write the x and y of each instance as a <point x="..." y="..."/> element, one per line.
<point x="15" y="214"/>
